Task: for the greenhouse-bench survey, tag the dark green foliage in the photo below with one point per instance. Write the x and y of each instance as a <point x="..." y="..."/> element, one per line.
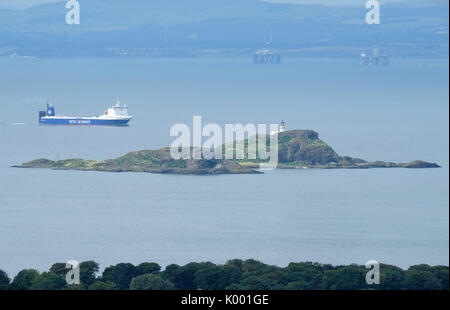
<point x="24" y="279"/>
<point x="173" y="273"/>
<point x="145" y="268"/>
<point x="59" y="268"/>
<point x="256" y="274"/>
<point x="304" y="276"/>
<point x="102" y="286"/>
<point x="186" y="275"/>
<point x="229" y="275"/>
<point x="48" y="281"/>
<point x="151" y="282"/>
<point x="235" y="274"/>
<point x="251" y="265"/>
<point x="351" y="277"/>
<point x="75" y="287"/>
<point x="210" y="276"/>
<point x="391" y="277"/>
<point x="441" y="274"/>
<point x="88" y="271"/>
<point x="120" y="274"/>
<point x="4" y="280"/>
<point x="181" y="163"/>
<point x="259" y="276"/>
<point x="253" y="283"/>
<point x="422" y="277"/>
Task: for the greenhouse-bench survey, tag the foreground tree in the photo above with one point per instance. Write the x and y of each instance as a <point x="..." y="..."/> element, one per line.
<point x="351" y="277"/>
<point x="88" y="271"/>
<point x="24" y="279"/>
<point x="441" y="274"/>
<point x="75" y="287"/>
<point x="4" y="280"/>
<point x="391" y="277"/>
<point x="213" y="277"/>
<point x="151" y="282"/>
<point x="48" y="281"/>
<point x="103" y="286"/>
<point x="421" y="277"/>
<point x="173" y="274"/>
<point x="257" y="275"/>
<point x="304" y="276"/>
<point x="120" y="274"/>
<point x="145" y="268"/>
<point x="183" y="277"/>
<point x="207" y="277"/>
<point x="59" y="269"/>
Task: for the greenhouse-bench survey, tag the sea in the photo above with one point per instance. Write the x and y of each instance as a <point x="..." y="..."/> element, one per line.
<point x="396" y="216"/>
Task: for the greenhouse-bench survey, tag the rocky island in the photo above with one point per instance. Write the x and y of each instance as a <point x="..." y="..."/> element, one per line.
<point x="296" y="149"/>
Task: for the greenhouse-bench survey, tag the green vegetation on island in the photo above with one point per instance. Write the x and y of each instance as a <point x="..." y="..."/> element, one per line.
<point x="153" y="161"/>
<point x="235" y="274"/>
<point x="296" y="149"/>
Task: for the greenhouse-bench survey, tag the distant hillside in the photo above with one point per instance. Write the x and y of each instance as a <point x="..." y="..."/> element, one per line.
<point x="222" y="24"/>
<point x="297" y="149"/>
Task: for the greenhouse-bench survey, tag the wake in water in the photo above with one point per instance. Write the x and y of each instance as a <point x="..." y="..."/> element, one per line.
<point x="13" y="124"/>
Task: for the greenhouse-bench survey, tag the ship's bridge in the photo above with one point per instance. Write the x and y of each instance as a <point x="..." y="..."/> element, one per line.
<point x="118" y="110"/>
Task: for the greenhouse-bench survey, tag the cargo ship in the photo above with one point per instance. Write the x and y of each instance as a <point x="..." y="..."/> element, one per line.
<point x="117" y="115"/>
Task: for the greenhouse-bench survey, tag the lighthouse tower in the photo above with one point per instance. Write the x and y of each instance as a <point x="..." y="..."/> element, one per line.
<point x="282" y="127"/>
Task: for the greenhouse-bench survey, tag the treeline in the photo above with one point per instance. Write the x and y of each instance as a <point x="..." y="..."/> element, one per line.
<point x="234" y="275"/>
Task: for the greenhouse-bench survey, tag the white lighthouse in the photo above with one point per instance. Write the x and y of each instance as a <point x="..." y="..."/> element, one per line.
<point x="282" y="126"/>
<point x="282" y="129"/>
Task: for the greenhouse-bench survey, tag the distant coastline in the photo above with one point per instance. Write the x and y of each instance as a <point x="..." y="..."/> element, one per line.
<point x="20" y="53"/>
<point x="231" y="28"/>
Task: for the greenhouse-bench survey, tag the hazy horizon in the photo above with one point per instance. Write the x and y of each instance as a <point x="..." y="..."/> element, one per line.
<point x="23" y="4"/>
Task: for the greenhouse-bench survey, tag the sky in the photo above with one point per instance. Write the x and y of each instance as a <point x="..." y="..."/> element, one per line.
<point x="23" y="4"/>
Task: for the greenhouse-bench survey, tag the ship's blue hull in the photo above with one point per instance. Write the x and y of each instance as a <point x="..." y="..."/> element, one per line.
<point x="83" y="121"/>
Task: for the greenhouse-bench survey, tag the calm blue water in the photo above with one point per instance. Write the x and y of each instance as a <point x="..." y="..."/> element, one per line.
<point x="395" y="216"/>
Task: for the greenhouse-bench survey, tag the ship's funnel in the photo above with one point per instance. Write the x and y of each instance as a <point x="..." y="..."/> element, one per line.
<point x="50" y="110"/>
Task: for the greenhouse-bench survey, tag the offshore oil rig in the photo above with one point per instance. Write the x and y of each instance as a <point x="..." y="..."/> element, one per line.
<point x="374" y="59"/>
<point x="267" y="55"/>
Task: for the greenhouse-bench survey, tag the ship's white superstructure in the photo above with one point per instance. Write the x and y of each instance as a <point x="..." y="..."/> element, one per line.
<point x="117" y="110"/>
